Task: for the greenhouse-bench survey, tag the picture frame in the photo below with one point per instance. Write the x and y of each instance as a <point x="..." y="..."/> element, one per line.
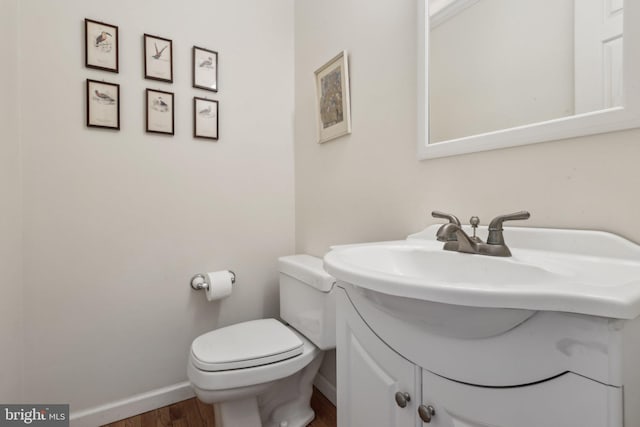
<point x="101" y="46"/>
<point x="333" y="100"/>
<point x="205" y="69"/>
<point x="205" y="118"/>
<point x="103" y="104"/>
<point x="158" y="58"/>
<point x="160" y="113"/>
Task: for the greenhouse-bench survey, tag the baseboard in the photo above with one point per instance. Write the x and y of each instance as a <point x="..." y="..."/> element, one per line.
<point x="134" y="405"/>
<point x="140" y="403"/>
<point x="325" y="387"/>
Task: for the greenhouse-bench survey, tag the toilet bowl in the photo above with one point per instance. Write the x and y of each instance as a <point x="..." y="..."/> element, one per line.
<point x="260" y="373"/>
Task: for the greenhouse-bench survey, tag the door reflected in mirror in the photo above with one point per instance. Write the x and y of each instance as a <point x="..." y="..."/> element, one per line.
<point x="500" y="64"/>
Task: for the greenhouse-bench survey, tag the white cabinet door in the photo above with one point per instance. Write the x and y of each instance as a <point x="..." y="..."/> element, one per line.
<point x="370" y="374"/>
<point x="567" y="401"/>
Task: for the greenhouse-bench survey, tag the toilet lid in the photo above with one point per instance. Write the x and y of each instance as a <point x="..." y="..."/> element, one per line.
<point x="246" y="344"/>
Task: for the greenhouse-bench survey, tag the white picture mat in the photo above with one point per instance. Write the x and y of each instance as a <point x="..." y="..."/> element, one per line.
<point x="206" y="118"/>
<point x="103" y="105"/>
<point x="205" y="65"/>
<point x="158" y="67"/>
<point x="159" y="112"/>
<point x="103" y="54"/>
<point x="343" y="127"/>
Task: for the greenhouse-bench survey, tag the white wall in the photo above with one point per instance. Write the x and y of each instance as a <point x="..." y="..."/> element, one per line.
<point x="116" y="223"/>
<point x="501" y="64"/>
<point x="10" y="203"/>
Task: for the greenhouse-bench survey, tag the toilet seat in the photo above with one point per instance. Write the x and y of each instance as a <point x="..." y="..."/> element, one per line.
<point x="245" y="345"/>
<point x="234" y="378"/>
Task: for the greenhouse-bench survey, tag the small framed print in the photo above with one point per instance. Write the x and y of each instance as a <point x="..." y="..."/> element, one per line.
<point x="160" y="114"/>
<point x="205" y="69"/>
<point x="205" y="118"/>
<point x="101" y="45"/>
<point x="158" y="58"/>
<point x="333" y="104"/>
<point x="103" y="104"/>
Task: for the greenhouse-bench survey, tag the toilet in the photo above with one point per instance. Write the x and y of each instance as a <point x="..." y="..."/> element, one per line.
<point x="260" y="373"/>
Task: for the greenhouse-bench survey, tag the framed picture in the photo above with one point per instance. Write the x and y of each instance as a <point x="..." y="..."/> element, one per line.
<point x="205" y="69"/>
<point x="205" y="118"/>
<point x="160" y="113"/>
<point x="158" y="58"/>
<point x="103" y="104"/>
<point x="101" y="45"/>
<point x="334" y="106"/>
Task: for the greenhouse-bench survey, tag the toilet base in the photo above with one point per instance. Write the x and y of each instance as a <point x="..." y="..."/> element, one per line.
<point x="241" y="412"/>
<point x="286" y="402"/>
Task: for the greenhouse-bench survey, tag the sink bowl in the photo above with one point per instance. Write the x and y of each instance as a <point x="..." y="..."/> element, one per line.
<point x="587" y="272"/>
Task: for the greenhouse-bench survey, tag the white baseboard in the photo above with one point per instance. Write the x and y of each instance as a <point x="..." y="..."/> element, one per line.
<point x="326" y="387"/>
<point x="140" y="403"/>
<point x="134" y="405"/>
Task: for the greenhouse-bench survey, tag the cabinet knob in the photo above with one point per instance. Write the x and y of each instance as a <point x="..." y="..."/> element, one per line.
<point x="426" y="412"/>
<point x="402" y="398"/>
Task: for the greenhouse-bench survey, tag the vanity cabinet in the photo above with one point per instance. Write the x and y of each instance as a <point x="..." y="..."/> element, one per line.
<point x="370" y="374"/>
<point x="566" y="401"/>
<point x="373" y="377"/>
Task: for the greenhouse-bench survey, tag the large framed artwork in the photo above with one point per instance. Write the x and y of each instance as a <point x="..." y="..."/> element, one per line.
<point x="333" y="103"/>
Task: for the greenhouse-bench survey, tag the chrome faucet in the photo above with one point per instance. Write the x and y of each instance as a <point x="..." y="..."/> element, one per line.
<point x="457" y="240"/>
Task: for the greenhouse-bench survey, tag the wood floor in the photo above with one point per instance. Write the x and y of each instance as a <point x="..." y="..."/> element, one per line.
<point x="193" y="413"/>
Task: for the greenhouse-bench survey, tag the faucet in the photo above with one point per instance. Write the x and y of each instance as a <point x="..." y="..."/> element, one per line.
<point x="457" y="240"/>
<point x="451" y="239"/>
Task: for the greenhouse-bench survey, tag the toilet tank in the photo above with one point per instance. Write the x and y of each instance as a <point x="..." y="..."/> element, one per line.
<point x="307" y="299"/>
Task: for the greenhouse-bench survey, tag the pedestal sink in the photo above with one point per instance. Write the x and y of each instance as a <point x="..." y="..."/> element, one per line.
<point x="587" y="272"/>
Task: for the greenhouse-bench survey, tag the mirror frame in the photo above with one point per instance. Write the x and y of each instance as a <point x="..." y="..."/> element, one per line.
<point x="612" y="119"/>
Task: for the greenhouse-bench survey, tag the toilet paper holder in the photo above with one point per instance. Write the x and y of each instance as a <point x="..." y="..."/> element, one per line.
<point x="199" y="281"/>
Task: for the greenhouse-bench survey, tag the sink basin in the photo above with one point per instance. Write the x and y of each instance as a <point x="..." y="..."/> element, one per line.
<point x="587" y="272"/>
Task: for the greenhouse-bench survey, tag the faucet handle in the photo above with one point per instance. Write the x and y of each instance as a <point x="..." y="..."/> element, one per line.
<point x="496" y="223"/>
<point x="495" y="226"/>
<point x="452" y="218"/>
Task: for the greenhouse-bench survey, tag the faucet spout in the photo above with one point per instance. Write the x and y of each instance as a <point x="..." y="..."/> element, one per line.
<point x="465" y="243"/>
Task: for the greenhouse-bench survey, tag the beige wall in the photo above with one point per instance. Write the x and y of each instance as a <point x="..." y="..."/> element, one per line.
<point x="369" y="186"/>
<point x="116" y="223"/>
<point x="10" y="207"/>
<point x="501" y="64"/>
<point x="10" y="201"/>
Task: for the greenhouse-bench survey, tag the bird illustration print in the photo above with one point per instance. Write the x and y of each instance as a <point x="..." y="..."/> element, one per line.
<point x="103" y="97"/>
<point x="158" y="53"/>
<point x="102" y="38"/>
<point x="158" y="104"/>
<point x="205" y="112"/>
<point x="207" y="63"/>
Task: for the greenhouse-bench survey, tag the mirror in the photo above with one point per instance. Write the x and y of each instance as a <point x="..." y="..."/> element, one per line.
<point x="510" y="72"/>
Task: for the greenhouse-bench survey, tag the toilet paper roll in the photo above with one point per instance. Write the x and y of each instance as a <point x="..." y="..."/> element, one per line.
<point x="219" y="285"/>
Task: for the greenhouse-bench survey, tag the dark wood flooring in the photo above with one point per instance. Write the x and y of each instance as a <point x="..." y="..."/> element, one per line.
<point x="193" y="413"/>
